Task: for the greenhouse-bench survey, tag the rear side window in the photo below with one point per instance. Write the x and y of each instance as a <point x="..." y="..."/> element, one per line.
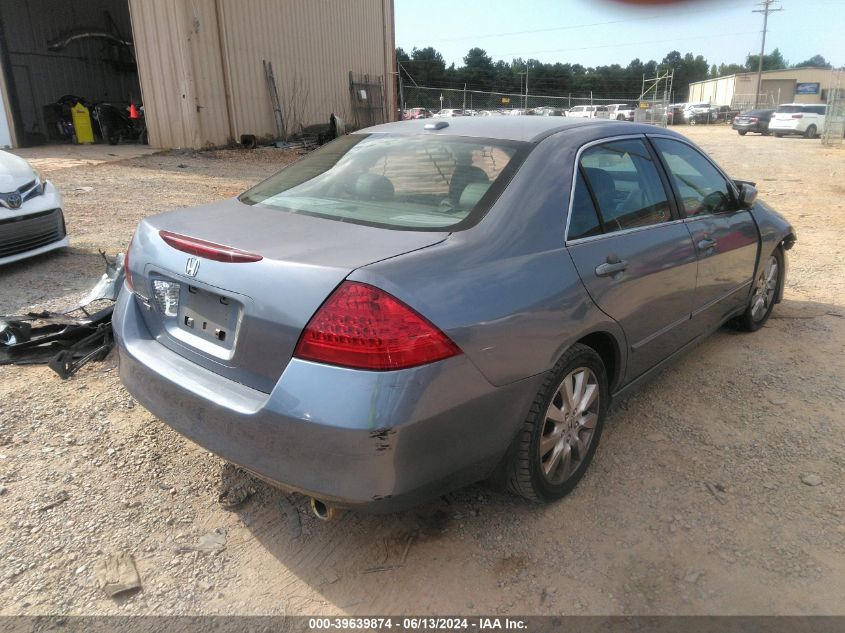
<point x="584" y="219"/>
<point x="702" y="187"/>
<point x="817" y="109"/>
<point x="625" y="185"/>
<point x="400" y="182"/>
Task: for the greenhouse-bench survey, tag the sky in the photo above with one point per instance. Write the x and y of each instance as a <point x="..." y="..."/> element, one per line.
<point x="602" y="32"/>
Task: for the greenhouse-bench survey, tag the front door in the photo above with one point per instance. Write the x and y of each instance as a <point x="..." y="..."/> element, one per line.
<point x="636" y="260"/>
<point x="724" y="235"/>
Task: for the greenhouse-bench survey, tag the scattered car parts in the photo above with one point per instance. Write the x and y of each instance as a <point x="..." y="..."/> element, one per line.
<point x="67" y="340"/>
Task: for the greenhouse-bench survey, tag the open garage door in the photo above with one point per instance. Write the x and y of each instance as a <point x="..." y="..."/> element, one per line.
<point x="57" y="52"/>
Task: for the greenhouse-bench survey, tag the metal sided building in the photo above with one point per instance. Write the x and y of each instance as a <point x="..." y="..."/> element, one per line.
<point x="793" y="85"/>
<point x="197" y="65"/>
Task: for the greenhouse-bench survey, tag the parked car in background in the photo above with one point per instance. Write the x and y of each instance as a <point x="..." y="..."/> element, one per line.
<point x="418" y="113"/>
<point x="412" y="308"/>
<point x="549" y="111"/>
<point x="675" y="114"/>
<point x="798" y="118"/>
<point x="588" y="112"/>
<point x="31" y="218"/>
<point x="621" y="111"/>
<point x="715" y="114"/>
<point x="752" y="121"/>
<point x="449" y="112"/>
<point x="697" y="112"/>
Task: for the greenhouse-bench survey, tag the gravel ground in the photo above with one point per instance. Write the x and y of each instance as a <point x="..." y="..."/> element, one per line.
<point x="717" y="489"/>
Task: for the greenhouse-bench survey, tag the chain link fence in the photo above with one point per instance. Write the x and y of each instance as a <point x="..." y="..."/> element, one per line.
<point x="745" y="102"/>
<point x="436" y="99"/>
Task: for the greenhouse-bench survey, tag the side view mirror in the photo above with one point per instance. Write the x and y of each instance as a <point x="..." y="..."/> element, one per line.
<point x="747" y="195"/>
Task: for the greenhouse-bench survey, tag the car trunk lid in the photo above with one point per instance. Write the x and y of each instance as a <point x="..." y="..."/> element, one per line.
<point x="243" y="320"/>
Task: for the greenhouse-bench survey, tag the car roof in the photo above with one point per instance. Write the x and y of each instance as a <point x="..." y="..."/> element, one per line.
<point x="512" y="128"/>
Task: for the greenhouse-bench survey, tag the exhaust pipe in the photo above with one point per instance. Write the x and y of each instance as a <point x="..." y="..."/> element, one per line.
<point x="323" y="511"/>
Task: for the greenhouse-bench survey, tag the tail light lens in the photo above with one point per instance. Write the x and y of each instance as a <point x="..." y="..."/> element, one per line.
<point x="362" y="327"/>
<point x="797" y="116"/>
<point x="754" y="119"/>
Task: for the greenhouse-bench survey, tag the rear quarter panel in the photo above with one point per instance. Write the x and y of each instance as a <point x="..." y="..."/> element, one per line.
<point x="506" y="290"/>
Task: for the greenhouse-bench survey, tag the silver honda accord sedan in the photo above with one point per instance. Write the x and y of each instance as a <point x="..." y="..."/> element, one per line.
<point x="426" y="304"/>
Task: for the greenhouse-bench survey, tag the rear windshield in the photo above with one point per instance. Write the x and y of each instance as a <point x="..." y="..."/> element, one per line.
<point x="401" y="182"/>
<point x="791" y="108"/>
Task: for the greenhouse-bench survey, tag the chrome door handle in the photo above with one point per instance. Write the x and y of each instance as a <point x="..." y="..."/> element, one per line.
<point x="707" y="244"/>
<point x="611" y="268"/>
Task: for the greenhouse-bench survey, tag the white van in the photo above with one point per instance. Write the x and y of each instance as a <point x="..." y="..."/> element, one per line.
<point x="798" y="118"/>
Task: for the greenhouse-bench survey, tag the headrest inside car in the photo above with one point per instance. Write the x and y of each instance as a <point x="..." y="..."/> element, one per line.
<point x="374" y="187"/>
<point x="472" y="194"/>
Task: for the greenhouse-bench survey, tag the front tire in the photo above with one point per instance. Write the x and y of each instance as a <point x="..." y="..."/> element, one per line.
<point x="560" y="435"/>
<point x="767" y="285"/>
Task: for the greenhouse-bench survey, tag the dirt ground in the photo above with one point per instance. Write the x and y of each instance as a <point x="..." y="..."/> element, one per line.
<point x="695" y="503"/>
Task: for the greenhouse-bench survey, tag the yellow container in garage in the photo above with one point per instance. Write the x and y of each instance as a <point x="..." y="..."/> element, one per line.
<point x="82" y="124"/>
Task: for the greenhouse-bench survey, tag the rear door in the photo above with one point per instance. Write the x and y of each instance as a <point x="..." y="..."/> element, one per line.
<point x="725" y="236"/>
<point x="635" y="257"/>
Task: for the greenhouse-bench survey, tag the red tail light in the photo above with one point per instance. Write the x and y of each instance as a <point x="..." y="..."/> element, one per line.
<point x="797" y="116"/>
<point x="209" y="250"/>
<point x="754" y="119"/>
<point x="362" y="327"/>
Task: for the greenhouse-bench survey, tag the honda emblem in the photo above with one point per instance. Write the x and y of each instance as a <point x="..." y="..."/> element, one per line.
<point x="192" y="267"/>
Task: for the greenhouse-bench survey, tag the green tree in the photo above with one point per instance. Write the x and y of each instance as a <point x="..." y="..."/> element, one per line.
<point x="816" y="61"/>
<point x="478" y="71"/>
<point x="772" y="61"/>
<point x="427" y="67"/>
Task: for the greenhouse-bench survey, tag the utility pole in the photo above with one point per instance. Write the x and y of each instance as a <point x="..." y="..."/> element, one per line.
<point x="526" y="85"/>
<point x="765" y="10"/>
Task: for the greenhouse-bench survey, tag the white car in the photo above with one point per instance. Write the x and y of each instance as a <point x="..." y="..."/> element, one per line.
<point x="588" y="112"/>
<point x="798" y="118"/>
<point x="621" y="111"/>
<point x="31" y="219"/>
<point x="449" y="112"/>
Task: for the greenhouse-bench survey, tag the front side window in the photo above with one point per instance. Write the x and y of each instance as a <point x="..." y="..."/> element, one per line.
<point x="400" y="182"/>
<point x="703" y="189"/>
<point x="625" y="185"/>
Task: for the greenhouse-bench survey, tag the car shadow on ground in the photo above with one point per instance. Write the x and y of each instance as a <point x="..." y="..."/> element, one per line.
<point x="441" y="551"/>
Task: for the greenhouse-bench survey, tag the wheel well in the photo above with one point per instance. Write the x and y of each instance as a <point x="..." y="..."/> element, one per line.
<point x="605" y="346"/>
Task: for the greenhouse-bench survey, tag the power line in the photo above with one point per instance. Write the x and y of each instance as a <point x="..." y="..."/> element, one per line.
<point x="767" y="8"/>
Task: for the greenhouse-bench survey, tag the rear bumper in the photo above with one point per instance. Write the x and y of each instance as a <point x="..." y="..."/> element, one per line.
<point x="379" y="441"/>
<point x="749" y="127"/>
<point x="792" y="126"/>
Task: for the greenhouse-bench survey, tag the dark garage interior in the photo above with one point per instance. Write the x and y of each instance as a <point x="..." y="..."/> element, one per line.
<point x="79" y="50"/>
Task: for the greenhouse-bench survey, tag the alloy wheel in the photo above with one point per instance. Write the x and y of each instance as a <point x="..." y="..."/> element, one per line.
<point x="569" y="426"/>
<point x="765" y="289"/>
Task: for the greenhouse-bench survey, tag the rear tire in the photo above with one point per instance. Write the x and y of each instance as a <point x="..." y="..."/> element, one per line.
<point x="559" y="437"/>
<point x="778" y="135"/>
<point x="767" y="286"/>
<point x="742" y="132"/>
<point x="811" y="132"/>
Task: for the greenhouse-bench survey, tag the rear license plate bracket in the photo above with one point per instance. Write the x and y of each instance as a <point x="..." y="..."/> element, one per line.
<point x="207" y="315"/>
